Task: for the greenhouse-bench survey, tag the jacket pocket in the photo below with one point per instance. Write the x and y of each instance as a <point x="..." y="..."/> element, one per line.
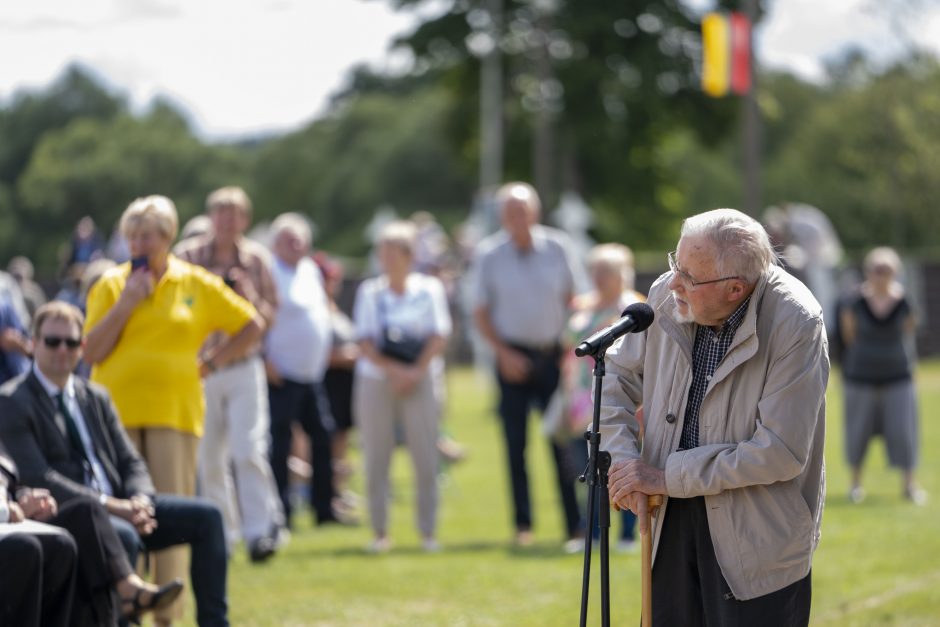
<point x="773" y="527"/>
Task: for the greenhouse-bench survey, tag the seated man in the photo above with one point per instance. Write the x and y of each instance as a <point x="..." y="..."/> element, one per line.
<point x="102" y="566"/>
<point x="38" y="589"/>
<point x="65" y="436"/>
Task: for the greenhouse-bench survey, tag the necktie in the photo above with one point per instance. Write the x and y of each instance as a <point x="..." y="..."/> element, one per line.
<point x="72" y="429"/>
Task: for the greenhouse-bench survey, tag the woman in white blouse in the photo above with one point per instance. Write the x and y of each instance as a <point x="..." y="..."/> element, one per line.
<point x="402" y="324"/>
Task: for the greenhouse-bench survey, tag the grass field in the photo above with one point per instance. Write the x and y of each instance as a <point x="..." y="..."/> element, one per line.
<point x="877" y="564"/>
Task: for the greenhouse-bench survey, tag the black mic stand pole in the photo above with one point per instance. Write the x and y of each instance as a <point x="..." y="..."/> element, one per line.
<point x="596" y="477"/>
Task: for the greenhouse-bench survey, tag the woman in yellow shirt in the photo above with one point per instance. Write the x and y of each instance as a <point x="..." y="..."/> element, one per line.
<point x="147" y="320"/>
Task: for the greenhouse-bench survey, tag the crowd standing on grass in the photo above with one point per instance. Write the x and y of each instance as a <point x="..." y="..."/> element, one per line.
<point x="199" y="390"/>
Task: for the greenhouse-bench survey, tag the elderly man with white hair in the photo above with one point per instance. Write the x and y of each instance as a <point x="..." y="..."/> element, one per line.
<point x="297" y="350"/>
<point x="732" y="379"/>
<point x="524" y="282"/>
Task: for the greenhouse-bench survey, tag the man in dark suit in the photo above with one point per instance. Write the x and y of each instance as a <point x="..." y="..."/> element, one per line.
<point x="39" y="589"/>
<point x="106" y="587"/>
<point x="64" y="434"/>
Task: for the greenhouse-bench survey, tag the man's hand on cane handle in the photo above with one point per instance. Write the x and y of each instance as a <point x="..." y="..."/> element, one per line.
<point x="630" y="482"/>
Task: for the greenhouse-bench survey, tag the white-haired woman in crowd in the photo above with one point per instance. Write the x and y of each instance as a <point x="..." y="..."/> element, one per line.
<point x="612" y="278"/>
<point x="402" y="323"/>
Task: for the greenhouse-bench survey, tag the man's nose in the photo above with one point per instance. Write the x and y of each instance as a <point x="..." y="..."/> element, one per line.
<point x="674" y="282"/>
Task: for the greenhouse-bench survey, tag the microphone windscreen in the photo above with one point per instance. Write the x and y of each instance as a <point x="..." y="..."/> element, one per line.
<point x="642" y="313"/>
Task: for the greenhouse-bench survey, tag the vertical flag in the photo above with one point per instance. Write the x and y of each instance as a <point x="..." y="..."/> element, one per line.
<point x="715" y="38"/>
<point x="726" y="47"/>
<point x="740" y="53"/>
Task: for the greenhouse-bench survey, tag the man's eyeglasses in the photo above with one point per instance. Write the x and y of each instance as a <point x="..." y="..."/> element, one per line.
<point x="687" y="279"/>
<point x="54" y="342"/>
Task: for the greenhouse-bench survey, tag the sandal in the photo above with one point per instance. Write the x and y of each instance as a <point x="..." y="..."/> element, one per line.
<point x="159" y="598"/>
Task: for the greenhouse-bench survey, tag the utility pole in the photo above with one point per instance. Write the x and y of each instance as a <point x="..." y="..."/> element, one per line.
<point x="543" y="131"/>
<point x="491" y="103"/>
<point x="751" y="126"/>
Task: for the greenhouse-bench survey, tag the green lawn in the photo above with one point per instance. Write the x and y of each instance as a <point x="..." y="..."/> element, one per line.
<point x="877" y="564"/>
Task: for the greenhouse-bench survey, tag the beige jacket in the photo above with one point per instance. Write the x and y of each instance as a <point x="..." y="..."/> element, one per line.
<point x="762" y="424"/>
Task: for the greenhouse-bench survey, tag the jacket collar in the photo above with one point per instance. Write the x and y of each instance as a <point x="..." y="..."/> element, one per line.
<point x="51" y="388"/>
<point x="48" y="409"/>
<point x="684" y="334"/>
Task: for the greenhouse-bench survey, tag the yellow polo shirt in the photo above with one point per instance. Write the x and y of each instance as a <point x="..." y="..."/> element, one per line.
<point x="153" y="373"/>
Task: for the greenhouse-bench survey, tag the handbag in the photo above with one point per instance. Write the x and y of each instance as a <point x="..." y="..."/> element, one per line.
<point x="397" y="344"/>
<point x="400" y="346"/>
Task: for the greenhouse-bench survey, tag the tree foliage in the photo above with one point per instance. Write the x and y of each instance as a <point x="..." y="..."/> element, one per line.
<point x="632" y="133"/>
<point x="868" y="154"/>
<point x="96" y="167"/>
<point x="610" y="81"/>
<point x="375" y="149"/>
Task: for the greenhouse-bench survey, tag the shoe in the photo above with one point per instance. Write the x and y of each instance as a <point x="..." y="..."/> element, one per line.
<point x="379" y="546"/>
<point x="344" y="507"/>
<point x="159" y="599"/>
<point x="281" y="537"/>
<point x="451" y="451"/>
<point x="574" y="545"/>
<point x="524" y="538"/>
<point x="430" y="545"/>
<point x="856" y="495"/>
<point x="917" y="496"/>
<point x="339" y="517"/>
<point x="262" y="549"/>
<point x="347" y="500"/>
<point x="627" y="546"/>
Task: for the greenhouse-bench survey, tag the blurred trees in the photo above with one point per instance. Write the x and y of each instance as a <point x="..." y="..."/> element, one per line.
<point x="592" y="90"/>
<point x="867" y="152"/>
<point x="376" y="148"/>
<point x="96" y="167"/>
<point x="632" y="135"/>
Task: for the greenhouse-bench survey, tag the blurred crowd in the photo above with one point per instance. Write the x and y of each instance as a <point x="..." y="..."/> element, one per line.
<point x="191" y="387"/>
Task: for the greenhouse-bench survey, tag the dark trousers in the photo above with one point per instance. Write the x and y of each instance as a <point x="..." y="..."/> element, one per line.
<point x="689" y="589"/>
<point x="307" y="404"/>
<point x="198" y="523"/>
<point x="102" y="560"/>
<point x="37" y="579"/>
<point x="515" y="401"/>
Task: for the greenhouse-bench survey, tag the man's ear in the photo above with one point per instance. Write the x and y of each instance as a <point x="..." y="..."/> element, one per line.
<point x="736" y="290"/>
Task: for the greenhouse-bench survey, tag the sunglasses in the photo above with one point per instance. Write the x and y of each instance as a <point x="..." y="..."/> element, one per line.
<point x="54" y="342"/>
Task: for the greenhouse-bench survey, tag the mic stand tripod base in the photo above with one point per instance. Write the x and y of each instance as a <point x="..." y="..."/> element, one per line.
<point x="597" y="483"/>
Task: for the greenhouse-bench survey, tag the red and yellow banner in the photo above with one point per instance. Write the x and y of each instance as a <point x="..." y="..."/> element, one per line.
<point x="726" y="54"/>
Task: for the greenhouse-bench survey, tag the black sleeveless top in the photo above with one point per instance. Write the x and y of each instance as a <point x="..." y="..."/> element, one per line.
<point x="880" y="352"/>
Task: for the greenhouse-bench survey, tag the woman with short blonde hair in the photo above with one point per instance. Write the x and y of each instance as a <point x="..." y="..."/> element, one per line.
<point x="146" y="321"/>
<point x="158" y="212"/>
<point x="402" y="323"/>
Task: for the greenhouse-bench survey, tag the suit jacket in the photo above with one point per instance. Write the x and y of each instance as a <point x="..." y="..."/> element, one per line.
<point x="34" y="434"/>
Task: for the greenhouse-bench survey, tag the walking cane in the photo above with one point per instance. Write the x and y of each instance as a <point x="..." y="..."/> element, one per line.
<point x="646" y="584"/>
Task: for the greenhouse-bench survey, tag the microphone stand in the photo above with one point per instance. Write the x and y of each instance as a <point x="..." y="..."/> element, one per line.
<point x="596" y="477"/>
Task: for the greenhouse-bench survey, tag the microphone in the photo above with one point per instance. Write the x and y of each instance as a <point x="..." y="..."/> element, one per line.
<point x="637" y="317"/>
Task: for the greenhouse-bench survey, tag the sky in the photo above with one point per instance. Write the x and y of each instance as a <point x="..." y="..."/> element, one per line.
<point x="242" y="68"/>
